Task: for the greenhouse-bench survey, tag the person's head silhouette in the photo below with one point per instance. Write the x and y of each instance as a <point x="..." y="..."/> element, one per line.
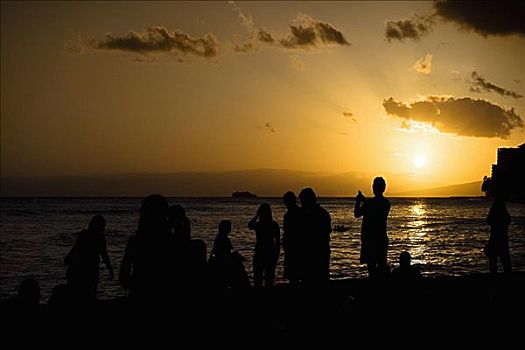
<point x="29" y="292"/>
<point x="153" y="213"/>
<point x="176" y="214"/>
<point x="265" y="212"/>
<point x="379" y="186"/>
<point x="225" y="227"/>
<point x="97" y="224"/>
<point x="289" y="199"/>
<point x="404" y="259"/>
<point x="308" y="198"/>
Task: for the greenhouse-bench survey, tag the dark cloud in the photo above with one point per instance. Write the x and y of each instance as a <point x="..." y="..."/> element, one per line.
<point x="485" y="17"/>
<point x="498" y="18"/>
<point x="308" y="32"/>
<point x="407" y="29"/>
<point x="481" y="84"/>
<point x="161" y="40"/>
<point x="265" y="37"/>
<point x="461" y="116"/>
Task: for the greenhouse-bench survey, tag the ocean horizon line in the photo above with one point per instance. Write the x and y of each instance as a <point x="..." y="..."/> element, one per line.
<point x="228" y="197"/>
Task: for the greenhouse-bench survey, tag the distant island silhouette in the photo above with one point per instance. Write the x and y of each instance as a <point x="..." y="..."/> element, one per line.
<point x="262" y="182"/>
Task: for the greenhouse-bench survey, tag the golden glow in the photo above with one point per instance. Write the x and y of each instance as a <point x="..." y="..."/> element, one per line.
<point x="420" y="161"/>
<point x="317" y="109"/>
<point x="418" y="210"/>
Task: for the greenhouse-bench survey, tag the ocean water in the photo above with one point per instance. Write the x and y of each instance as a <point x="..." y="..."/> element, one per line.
<point x="444" y="236"/>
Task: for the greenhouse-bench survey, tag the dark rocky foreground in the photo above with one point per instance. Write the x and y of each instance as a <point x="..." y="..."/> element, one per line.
<point x="483" y="303"/>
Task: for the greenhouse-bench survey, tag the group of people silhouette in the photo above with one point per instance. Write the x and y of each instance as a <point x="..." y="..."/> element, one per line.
<point x="162" y="259"/>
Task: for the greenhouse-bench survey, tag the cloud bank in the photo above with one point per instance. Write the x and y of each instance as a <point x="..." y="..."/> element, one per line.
<point x="307" y="32"/>
<point x="407" y="29"/>
<point x="461" y="116"/>
<point x="485" y="17"/>
<point x="158" y="39"/>
<point x="497" y="18"/>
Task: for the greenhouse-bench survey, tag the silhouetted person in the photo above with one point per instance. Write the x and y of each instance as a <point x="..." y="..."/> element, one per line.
<point x="374" y="239"/>
<point x="179" y="223"/>
<point x="498" y="245"/>
<point x="316" y="241"/>
<point x="221" y="262"/>
<point x="22" y="309"/>
<point x="83" y="259"/>
<point x="406" y="272"/>
<point x="147" y="265"/>
<point x="189" y="255"/>
<point x="227" y="265"/>
<point x="267" y="246"/>
<point x="28" y="297"/>
<point x="293" y="229"/>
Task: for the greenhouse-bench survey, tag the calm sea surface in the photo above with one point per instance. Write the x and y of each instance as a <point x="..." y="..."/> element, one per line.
<point x="444" y="236"/>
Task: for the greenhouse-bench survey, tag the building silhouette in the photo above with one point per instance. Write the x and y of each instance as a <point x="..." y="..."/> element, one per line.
<point x="508" y="174"/>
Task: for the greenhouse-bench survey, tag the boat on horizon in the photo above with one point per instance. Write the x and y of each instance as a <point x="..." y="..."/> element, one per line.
<point x="243" y="194"/>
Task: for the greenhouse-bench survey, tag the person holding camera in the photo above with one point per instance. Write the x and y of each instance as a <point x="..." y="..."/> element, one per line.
<point x="374" y="238"/>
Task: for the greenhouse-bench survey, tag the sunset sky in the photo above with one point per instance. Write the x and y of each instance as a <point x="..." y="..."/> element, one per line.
<point x="420" y="91"/>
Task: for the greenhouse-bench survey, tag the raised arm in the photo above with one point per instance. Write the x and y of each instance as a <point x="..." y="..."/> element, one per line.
<point x="359" y="203"/>
<point x="252" y="225"/>
<point x="358" y="209"/>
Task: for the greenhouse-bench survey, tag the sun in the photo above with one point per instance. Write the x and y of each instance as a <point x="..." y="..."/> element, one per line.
<point x="420" y="161"/>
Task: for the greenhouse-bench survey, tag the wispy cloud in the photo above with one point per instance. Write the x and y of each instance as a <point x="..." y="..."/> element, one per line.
<point x="480" y="84"/>
<point x="245" y="17"/>
<point x="424" y="64"/>
<point x="349" y="115"/>
<point x="267" y="127"/>
<point x="297" y="63"/>
<point x="243" y="47"/>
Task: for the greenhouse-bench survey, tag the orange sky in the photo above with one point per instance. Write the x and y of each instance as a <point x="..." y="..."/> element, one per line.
<point x="400" y="88"/>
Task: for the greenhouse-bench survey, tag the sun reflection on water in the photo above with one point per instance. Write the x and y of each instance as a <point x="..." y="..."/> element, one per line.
<point x="416" y="232"/>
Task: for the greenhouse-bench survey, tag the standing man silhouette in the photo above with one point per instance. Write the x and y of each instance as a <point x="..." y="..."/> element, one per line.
<point x="374" y="239"/>
<point x="316" y="246"/>
<point x="498" y="245"/>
